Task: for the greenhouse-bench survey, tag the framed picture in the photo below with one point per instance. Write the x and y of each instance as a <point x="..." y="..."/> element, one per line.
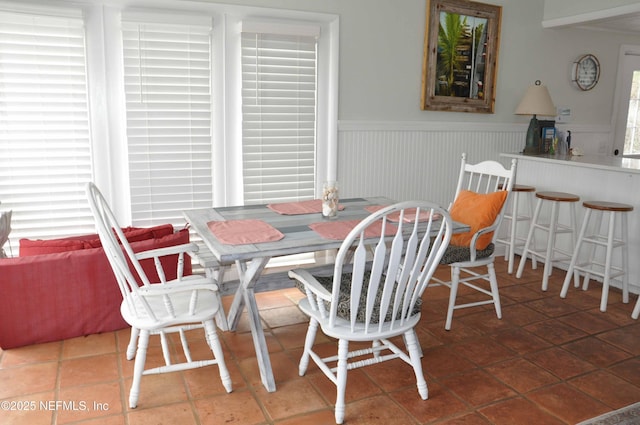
<point x="460" y="56"/>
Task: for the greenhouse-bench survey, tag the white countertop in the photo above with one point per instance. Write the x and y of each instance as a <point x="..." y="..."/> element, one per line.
<point x="601" y="162"/>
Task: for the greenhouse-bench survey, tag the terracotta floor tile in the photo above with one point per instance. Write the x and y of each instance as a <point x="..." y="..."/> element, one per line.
<point x="89" y="370"/>
<point x="28" y="379"/>
<point x="466" y="419"/>
<point x="521" y="375"/>
<point x="440" y="404"/>
<point x="591" y="322"/>
<point x="178" y="413"/>
<point x="555" y="331"/>
<point x="521" y="341"/>
<point x="596" y="351"/>
<point x="484" y="351"/>
<point x="567" y="403"/>
<point x="521" y="293"/>
<point x="359" y="386"/>
<point x="30" y="354"/>
<point x="627" y="338"/>
<point x="560" y="362"/>
<point x="628" y="370"/>
<point x="477" y="387"/>
<point x="293" y="397"/>
<point x="376" y="410"/>
<point x="552" y="306"/>
<point x="321" y="417"/>
<point x="444" y="361"/>
<point x="608" y="388"/>
<point x="518" y="411"/>
<point x="27" y="409"/>
<point x="547" y="361"/>
<point x="276" y="317"/>
<point x="521" y="315"/>
<point x="238" y="407"/>
<point x="90" y="345"/>
<point x="90" y="401"/>
<point x="156" y="390"/>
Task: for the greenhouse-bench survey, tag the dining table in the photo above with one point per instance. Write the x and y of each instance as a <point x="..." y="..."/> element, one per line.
<point x="251" y="235"/>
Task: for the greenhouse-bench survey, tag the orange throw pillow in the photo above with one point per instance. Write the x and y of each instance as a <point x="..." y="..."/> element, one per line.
<point x="478" y="211"/>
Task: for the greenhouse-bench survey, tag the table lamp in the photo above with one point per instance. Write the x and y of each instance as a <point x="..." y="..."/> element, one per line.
<point x="536" y="101"/>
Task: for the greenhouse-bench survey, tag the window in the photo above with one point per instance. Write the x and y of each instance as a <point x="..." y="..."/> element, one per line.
<point x="278" y="117"/>
<point x="45" y="144"/>
<point x="167" y="73"/>
<point x="164" y="109"/>
<point x="627" y="104"/>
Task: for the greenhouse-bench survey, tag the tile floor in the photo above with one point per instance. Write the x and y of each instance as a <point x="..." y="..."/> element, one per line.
<point x="548" y="361"/>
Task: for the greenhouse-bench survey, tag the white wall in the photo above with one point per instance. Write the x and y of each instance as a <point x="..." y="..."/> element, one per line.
<point x="381" y="46"/>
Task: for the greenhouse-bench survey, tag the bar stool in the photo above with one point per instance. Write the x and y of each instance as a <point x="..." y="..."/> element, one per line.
<point x="511" y="240"/>
<point x="609" y="240"/>
<point x="552" y="253"/>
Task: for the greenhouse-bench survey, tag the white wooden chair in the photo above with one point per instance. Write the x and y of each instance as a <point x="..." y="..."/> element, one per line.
<point x="372" y="298"/>
<point x="477" y="202"/>
<point x="186" y="303"/>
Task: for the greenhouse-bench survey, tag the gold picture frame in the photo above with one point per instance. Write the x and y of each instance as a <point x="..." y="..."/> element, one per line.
<point x="460" y="57"/>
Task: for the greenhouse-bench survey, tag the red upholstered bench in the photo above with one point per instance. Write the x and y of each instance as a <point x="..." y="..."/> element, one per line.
<point x="64" y="288"/>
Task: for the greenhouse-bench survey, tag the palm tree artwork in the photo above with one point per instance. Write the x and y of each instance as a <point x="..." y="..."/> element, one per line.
<point x="461" y="56"/>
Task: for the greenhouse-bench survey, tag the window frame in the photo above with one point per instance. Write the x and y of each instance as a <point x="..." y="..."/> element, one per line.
<point x="107" y="113"/>
<point x="628" y="55"/>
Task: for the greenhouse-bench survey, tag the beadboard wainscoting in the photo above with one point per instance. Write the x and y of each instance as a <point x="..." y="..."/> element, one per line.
<point x="421" y="160"/>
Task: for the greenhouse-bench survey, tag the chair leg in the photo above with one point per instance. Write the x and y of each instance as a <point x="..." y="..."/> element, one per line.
<point x="214" y="342"/>
<point x="527" y="244"/>
<point x="636" y="309"/>
<point x="548" y="264"/>
<point x="453" y="293"/>
<point x="495" y="294"/>
<point x="308" y="344"/>
<point x="341" y="379"/>
<point x="625" y="258"/>
<point x="133" y="342"/>
<point x="576" y="254"/>
<point x="411" y="341"/>
<point x="138" y="368"/>
<point x="607" y="263"/>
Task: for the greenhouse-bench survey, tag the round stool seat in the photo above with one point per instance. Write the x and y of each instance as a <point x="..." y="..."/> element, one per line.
<point x="522" y="188"/>
<point x="558" y="196"/>
<point x="607" y="206"/>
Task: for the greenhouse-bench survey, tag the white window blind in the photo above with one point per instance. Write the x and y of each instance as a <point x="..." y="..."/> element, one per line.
<point x="278" y="117"/>
<point x="45" y="146"/>
<point x="168" y="94"/>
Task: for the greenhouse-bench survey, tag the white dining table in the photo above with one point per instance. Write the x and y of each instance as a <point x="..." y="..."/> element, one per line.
<point x="251" y="258"/>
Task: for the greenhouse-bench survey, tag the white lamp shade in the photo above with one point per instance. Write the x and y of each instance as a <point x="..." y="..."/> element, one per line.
<point x="536" y="101"/>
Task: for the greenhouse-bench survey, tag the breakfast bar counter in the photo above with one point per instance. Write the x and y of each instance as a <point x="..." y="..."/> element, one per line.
<point x="594" y="177"/>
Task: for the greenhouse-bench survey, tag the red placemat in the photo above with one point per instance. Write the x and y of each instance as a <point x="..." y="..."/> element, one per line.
<point x="239" y="232"/>
<point x="301" y="207"/>
<point x="409" y="214"/>
<point x="340" y="229"/>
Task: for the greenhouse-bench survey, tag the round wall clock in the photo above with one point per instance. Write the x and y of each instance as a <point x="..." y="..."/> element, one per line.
<point x="586" y="72"/>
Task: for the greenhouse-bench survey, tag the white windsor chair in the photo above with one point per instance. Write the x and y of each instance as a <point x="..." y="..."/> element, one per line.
<point x="376" y="296"/>
<point x="186" y="303"/>
<point x="483" y="180"/>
